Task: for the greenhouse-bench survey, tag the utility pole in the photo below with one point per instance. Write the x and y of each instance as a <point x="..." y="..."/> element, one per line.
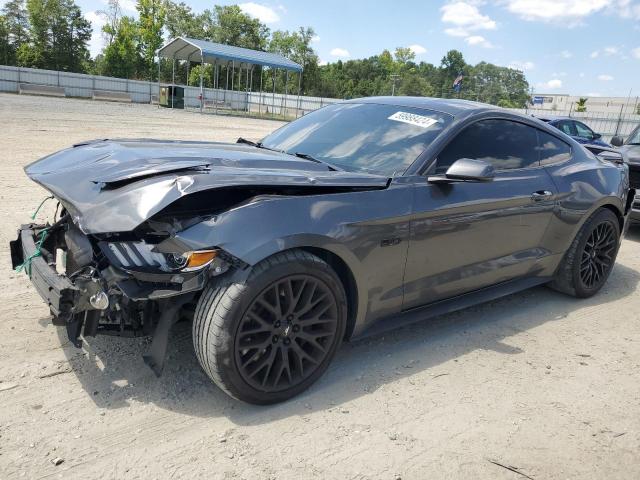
<point x="394" y="78"/>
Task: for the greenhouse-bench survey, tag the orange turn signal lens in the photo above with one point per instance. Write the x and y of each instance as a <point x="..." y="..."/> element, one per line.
<point x="199" y="259"/>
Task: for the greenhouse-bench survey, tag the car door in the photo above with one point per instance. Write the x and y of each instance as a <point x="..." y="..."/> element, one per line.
<point x="468" y="235"/>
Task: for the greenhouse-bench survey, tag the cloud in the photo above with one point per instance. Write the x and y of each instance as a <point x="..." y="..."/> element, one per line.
<point x="315" y="38"/>
<point x="626" y="9"/>
<point x="522" y="66"/>
<point x="340" y="52"/>
<point x="553" y="84"/>
<point x="127" y="6"/>
<point x="417" y="49"/>
<point x="322" y="63"/>
<point x="636" y="53"/>
<point x="465" y="17"/>
<point x="456" y="32"/>
<point x="571" y="12"/>
<point x="611" y="51"/>
<point x="479" y="41"/>
<point x="605" y="78"/>
<point x="261" y="12"/>
<point x="97" y="41"/>
<point x="594" y="94"/>
<point x="566" y="54"/>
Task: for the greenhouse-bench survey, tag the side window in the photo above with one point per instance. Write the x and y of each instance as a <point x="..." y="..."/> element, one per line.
<point x="503" y="143"/>
<point x="583" y="131"/>
<point x="551" y="149"/>
<point x="566" y="128"/>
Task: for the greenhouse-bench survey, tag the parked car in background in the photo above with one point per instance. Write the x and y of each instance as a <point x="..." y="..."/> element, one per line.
<point x="630" y="149"/>
<point x="576" y="130"/>
<point x="356" y="217"/>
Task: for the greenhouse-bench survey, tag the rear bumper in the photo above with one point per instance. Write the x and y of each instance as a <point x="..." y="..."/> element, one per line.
<point x="58" y="292"/>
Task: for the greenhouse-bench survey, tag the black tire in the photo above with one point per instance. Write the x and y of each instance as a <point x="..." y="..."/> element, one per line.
<point x="236" y="329"/>
<point x="590" y="258"/>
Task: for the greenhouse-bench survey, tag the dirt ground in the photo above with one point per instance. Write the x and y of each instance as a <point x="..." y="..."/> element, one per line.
<point x="539" y="382"/>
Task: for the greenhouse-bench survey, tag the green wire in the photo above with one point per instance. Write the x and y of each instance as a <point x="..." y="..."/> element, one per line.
<point x="33" y="217"/>
<point x="26" y="265"/>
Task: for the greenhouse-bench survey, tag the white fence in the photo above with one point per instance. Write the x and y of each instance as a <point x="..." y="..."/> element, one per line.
<point x="255" y="103"/>
<point x="607" y="124"/>
<point x="84" y="86"/>
<point x="75" y="84"/>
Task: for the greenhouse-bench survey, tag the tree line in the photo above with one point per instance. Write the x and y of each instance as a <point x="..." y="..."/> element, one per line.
<point x="54" y="34"/>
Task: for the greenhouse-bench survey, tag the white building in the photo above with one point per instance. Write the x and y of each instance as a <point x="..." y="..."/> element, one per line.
<point x="564" y="103"/>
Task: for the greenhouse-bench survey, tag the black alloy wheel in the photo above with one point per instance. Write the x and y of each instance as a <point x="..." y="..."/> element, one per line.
<point x="598" y="255"/>
<point x="286" y="333"/>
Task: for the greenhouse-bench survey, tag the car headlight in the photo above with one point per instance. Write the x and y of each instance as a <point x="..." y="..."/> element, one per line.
<point x="190" y="261"/>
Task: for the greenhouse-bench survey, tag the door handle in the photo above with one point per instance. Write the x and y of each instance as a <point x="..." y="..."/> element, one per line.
<point x="541" y="195"/>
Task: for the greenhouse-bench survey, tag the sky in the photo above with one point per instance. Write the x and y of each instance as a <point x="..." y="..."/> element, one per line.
<point x="579" y="47"/>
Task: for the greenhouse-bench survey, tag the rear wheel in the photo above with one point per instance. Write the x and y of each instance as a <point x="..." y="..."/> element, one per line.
<point x="590" y="259"/>
<point x="270" y="338"/>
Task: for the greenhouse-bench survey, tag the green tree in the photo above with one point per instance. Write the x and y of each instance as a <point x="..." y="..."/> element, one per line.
<point x="296" y="46"/>
<point x="58" y="38"/>
<point x="152" y="17"/>
<point x="182" y="22"/>
<point x="229" y="25"/>
<point x="14" y="30"/>
<point x="581" y="105"/>
<point x="207" y="76"/>
<point x="121" y="58"/>
<point x="7" y="53"/>
<point x="404" y="55"/>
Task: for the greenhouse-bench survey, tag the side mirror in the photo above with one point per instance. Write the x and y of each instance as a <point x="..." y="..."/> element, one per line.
<point x="617" y="141"/>
<point x="466" y="170"/>
<point x="596" y="136"/>
<point x="611" y="156"/>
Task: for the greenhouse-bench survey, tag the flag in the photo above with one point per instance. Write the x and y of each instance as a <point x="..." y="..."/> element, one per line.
<point x="457" y="83"/>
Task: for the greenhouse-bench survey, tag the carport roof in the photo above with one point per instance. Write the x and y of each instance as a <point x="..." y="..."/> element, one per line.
<point x="183" y="48"/>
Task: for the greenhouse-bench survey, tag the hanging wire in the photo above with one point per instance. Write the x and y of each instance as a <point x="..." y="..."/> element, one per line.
<point x="26" y="265"/>
<point x="33" y="217"/>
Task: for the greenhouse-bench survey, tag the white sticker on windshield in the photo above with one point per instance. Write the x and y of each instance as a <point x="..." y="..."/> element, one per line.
<point x="413" y="119"/>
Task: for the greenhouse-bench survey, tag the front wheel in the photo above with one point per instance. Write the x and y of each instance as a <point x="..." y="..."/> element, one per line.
<point x="590" y="258"/>
<point x="268" y="339"/>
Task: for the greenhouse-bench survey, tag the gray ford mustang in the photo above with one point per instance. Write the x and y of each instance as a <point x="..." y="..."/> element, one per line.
<point x="357" y="217"/>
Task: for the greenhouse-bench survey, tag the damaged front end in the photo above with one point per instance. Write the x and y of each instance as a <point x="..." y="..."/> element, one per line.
<point x="146" y="224"/>
<point x="114" y="284"/>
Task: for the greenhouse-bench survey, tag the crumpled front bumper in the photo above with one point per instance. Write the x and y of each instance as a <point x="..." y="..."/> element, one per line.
<point x="69" y="298"/>
<point x="58" y="292"/>
<point x="140" y="303"/>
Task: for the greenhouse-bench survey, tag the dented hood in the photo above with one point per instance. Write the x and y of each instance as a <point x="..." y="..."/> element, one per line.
<point x="115" y="185"/>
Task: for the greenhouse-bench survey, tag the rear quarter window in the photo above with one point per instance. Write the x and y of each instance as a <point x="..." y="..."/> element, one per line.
<point x="551" y="149"/>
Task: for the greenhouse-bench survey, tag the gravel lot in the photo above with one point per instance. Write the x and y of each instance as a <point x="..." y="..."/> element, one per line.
<point x="538" y="382"/>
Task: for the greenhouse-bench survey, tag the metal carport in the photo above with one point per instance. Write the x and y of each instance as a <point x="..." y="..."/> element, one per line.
<point x="191" y="49"/>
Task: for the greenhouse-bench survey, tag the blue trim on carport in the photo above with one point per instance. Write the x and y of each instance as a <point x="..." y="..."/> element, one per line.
<point x="211" y="51"/>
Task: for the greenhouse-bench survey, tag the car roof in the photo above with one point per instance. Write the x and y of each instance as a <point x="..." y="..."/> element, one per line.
<point x="550" y="118"/>
<point x="452" y="106"/>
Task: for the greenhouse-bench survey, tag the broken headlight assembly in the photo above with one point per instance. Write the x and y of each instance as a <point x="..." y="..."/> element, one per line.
<point x="190" y="261"/>
<point x="141" y="256"/>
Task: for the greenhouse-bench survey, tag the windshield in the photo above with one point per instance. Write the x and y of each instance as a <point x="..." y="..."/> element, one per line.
<point x="382" y="139"/>
<point x="634" y="139"/>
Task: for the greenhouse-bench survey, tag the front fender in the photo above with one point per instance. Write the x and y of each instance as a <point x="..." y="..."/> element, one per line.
<point x="354" y="226"/>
